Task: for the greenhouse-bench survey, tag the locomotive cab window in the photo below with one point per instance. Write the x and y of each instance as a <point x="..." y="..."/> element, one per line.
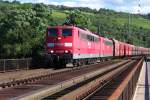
<point x="67" y="32"/>
<point x="108" y="43"/>
<point x="53" y="32"/>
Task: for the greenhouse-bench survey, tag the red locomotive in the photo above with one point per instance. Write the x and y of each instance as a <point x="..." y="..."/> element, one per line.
<point x="71" y="44"/>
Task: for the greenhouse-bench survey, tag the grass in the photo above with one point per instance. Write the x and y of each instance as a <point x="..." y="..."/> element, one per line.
<point x="58" y="14"/>
<point x="136" y="21"/>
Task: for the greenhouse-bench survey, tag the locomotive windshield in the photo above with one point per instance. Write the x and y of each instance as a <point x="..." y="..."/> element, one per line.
<point x="66" y="32"/>
<point x="53" y="32"/>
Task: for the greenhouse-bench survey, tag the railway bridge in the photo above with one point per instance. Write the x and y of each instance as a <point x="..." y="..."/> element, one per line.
<point x="117" y="79"/>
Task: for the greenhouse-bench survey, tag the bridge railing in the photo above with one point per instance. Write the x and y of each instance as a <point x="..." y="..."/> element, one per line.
<point x="126" y="89"/>
<point x="15" y="64"/>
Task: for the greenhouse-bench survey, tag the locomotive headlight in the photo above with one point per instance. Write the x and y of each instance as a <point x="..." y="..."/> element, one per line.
<point x="52" y="51"/>
<point x="59" y="38"/>
<point x="68" y="44"/>
<point x="66" y="51"/>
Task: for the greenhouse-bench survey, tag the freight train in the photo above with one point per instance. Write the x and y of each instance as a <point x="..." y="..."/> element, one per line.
<point x="78" y="46"/>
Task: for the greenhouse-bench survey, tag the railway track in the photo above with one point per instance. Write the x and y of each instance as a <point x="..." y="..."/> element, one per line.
<point x="22" y="74"/>
<point x="79" y="91"/>
<point x="10" y="79"/>
<point x="104" y="86"/>
<point x="50" y="84"/>
<point x="104" y="93"/>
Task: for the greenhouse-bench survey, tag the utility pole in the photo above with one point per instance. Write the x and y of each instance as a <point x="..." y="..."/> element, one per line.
<point x="139" y="6"/>
<point x="98" y="28"/>
<point x="129" y="26"/>
<point x="129" y="22"/>
<point x="139" y="10"/>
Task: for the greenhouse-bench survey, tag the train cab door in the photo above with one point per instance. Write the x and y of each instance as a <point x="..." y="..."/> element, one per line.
<point x="101" y="47"/>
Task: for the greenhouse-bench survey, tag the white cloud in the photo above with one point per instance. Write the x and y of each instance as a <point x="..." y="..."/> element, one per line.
<point x="55" y="3"/>
<point x="134" y="9"/>
<point x="34" y="1"/>
<point x="70" y="4"/>
<point x="43" y="1"/>
<point x="114" y="2"/>
<point x="81" y="3"/>
<point x="118" y="5"/>
<point x="145" y="9"/>
<point x="145" y="3"/>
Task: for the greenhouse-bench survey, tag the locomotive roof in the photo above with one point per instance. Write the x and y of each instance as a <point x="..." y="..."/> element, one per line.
<point x="60" y="26"/>
<point x="88" y="32"/>
<point x="82" y="29"/>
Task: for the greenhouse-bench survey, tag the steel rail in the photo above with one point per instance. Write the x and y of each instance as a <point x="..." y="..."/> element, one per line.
<point x="51" y="83"/>
<point x="119" y="88"/>
<point x="118" y="92"/>
<point x="94" y="83"/>
<point x="14" y="81"/>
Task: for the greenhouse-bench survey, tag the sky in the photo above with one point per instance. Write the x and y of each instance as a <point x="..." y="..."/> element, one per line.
<point x="131" y="6"/>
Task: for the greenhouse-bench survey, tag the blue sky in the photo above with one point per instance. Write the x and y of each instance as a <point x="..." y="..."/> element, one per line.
<point x="117" y="5"/>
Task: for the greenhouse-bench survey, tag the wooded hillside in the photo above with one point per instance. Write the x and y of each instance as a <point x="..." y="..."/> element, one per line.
<point x="23" y="26"/>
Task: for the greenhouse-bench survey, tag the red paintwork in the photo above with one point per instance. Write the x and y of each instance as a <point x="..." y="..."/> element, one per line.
<point x="102" y="48"/>
<point x="59" y="49"/>
<point x="106" y="50"/>
<point x="117" y="46"/>
<point x="122" y="49"/>
<point x="82" y="46"/>
<point x="79" y="46"/>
